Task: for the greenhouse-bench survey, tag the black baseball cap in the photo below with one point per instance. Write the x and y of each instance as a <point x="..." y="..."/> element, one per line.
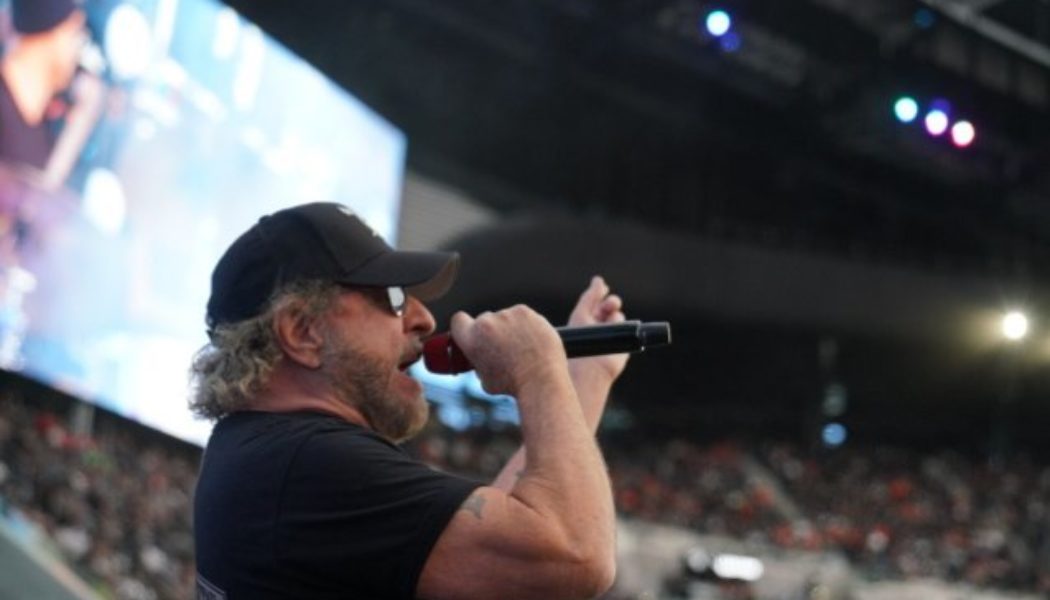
<point x="36" y="16"/>
<point x="319" y="241"/>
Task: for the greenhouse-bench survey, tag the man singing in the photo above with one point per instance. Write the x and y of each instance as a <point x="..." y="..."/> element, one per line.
<point x="313" y="322"/>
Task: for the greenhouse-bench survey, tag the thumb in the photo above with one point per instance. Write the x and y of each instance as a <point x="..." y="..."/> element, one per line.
<point x="461" y="322"/>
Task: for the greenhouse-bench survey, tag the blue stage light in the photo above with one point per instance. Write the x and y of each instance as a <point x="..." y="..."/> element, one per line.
<point x="834" y="434"/>
<point x="729" y="42"/>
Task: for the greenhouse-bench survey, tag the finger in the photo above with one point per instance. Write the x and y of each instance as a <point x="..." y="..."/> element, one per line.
<point x="593" y="293"/>
<point x="610" y="304"/>
<point x="459" y="324"/>
<point x="586" y="308"/>
<point x="609" y="317"/>
<point x="598" y="287"/>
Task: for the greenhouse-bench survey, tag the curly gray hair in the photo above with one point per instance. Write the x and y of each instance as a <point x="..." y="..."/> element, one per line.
<point x="238" y="360"/>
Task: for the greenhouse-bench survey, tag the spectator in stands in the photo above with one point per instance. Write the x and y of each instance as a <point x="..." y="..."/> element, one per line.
<point x="302" y="492"/>
<point x="87" y="493"/>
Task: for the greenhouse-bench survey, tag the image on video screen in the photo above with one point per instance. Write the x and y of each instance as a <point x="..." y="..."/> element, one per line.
<point x="172" y="127"/>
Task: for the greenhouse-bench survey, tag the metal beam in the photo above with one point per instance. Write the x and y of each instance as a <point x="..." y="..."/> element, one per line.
<point x="965" y="15"/>
<point x="980" y="6"/>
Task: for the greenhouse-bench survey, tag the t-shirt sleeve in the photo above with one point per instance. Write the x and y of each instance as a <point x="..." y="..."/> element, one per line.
<point x="361" y="514"/>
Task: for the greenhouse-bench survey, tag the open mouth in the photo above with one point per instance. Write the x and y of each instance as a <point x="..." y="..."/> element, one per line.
<point x="408" y="363"/>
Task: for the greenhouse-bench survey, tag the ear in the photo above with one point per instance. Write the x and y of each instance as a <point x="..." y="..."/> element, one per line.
<point x="300" y="338"/>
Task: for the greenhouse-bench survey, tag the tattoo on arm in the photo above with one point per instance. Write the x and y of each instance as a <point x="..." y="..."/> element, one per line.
<point x="474" y="504"/>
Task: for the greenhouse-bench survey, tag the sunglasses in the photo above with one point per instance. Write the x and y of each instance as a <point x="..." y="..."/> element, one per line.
<point x="395" y="296"/>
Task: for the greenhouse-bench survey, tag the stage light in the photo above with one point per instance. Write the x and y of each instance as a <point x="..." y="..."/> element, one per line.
<point x="698" y="560"/>
<point x="834" y="435"/>
<point x="936" y="122"/>
<point x="906" y="109"/>
<point x="718" y="23"/>
<point x="729" y="42"/>
<point x="942" y="105"/>
<point x="835" y="400"/>
<point x="963" y="133"/>
<point x="738" y="567"/>
<point x="1015" y="325"/>
<point x="925" y="18"/>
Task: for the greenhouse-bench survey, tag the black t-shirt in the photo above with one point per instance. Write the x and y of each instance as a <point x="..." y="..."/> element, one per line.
<point x="305" y="505"/>
<point x="20" y="142"/>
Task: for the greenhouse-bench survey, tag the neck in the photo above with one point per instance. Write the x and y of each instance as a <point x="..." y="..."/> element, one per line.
<point x="287" y="392"/>
<point x="26" y="74"/>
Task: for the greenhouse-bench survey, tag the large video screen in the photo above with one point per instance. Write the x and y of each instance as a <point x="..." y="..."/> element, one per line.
<point x="182" y="126"/>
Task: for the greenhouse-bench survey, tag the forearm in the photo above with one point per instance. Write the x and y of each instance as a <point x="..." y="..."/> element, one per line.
<point x="592" y="389"/>
<point x="564" y="476"/>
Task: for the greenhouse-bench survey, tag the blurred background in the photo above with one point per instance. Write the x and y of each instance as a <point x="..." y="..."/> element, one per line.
<point x="841" y="206"/>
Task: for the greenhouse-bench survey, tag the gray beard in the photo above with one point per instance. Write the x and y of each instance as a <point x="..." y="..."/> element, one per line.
<point x="360" y="382"/>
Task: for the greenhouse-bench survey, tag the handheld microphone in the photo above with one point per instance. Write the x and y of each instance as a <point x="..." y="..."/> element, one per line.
<point x="441" y="355"/>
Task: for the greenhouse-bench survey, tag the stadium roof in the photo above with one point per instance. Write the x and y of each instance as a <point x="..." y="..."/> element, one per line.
<point x="626" y="111"/>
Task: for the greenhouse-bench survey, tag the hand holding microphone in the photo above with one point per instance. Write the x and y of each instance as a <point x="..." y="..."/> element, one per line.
<point x="510" y="348"/>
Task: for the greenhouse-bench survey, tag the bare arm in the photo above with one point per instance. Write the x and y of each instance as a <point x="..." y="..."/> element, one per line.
<point x="551" y="535"/>
<point x="592" y="377"/>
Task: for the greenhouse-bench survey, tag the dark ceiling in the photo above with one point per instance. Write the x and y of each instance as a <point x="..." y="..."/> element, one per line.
<point x="622" y="110"/>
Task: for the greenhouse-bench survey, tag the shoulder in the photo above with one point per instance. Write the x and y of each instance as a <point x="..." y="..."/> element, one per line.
<point x="281" y="425"/>
<point x="267" y="436"/>
<point x="330" y="435"/>
<point x="350" y="453"/>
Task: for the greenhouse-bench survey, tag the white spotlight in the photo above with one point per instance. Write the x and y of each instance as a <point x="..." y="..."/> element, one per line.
<point x="735" y="566"/>
<point x="1015" y="325"/>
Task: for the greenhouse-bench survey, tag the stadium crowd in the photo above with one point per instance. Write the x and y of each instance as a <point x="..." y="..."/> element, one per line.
<point x="901" y="514"/>
<point x="119" y="508"/>
<point x="895" y="513"/>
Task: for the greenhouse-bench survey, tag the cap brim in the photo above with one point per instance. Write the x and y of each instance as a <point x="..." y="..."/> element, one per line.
<point x="424" y="275"/>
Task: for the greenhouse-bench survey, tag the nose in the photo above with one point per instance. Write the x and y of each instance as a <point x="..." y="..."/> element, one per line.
<point x="418" y="318"/>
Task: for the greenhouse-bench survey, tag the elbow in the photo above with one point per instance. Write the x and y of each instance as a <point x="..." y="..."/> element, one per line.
<point x="603" y="576"/>
<point x="593" y="576"/>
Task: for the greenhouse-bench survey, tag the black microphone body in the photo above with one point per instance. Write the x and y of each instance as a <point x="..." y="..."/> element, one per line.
<point x="441" y="355"/>
<point x="615" y="338"/>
